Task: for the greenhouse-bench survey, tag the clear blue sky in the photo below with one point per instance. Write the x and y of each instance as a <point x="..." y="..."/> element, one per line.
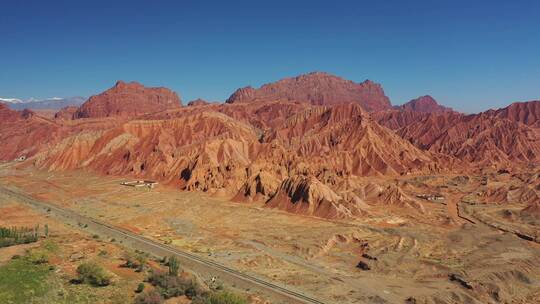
<point x="471" y="55"/>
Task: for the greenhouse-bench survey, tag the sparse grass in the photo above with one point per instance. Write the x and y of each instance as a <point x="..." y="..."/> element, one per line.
<point x="51" y="246"/>
<point x="21" y="280"/>
<point x="225" y="297"/>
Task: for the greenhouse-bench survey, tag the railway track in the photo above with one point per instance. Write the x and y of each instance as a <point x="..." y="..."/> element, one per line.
<point x="191" y="261"/>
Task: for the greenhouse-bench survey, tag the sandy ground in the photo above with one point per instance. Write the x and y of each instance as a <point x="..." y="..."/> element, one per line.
<point x="415" y="252"/>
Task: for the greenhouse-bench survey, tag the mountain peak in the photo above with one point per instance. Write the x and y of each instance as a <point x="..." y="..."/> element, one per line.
<point x="123" y="84"/>
<point x="426" y="104"/>
<point x="318" y="88"/>
<point x="128" y="99"/>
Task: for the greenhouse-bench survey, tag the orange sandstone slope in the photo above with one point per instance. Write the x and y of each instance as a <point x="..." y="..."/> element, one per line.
<point x="197" y="150"/>
<point x="317" y="88"/>
<point x="345" y="140"/>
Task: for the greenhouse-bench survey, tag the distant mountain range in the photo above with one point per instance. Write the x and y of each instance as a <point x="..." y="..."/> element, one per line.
<point x="302" y="144"/>
<point x="54" y="103"/>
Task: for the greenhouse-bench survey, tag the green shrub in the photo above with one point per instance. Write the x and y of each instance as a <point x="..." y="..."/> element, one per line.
<point x="51" y="246"/>
<point x="93" y="274"/>
<point x="174" y="266"/>
<point x="18" y="235"/>
<point x="38" y="256"/>
<point x="174" y="286"/>
<point x="140" y="288"/>
<point x="135" y="260"/>
<point x="225" y="298"/>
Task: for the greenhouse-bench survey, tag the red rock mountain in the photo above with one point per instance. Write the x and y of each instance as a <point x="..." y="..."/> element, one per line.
<point x="317" y="88"/>
<point x="128" y="99"/>
<point x="7" y="114"/>
<point x="525" y="112"/>
<point x="282" y="152"/>
<point x="198" y="102"/>
<point x="487" y="138"/>
<point x="22" y="133"/>
<point x="425" y="104"/>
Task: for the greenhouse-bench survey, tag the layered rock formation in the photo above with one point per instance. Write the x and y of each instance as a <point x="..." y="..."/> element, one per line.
<point x="128" y="99"/>
<point x="308" y="196"/>
<point x="318" y="89"/>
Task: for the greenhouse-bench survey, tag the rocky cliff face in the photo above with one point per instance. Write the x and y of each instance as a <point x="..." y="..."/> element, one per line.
<point x="128" y="99"/>
<point x="318" y="89"/>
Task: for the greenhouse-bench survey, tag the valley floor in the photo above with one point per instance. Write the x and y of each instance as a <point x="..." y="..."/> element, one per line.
<point x="435" y="257"/>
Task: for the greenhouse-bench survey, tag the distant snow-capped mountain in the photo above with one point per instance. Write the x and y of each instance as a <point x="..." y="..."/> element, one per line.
<point x="54" y="103"/>
<point x="11" y="100"/>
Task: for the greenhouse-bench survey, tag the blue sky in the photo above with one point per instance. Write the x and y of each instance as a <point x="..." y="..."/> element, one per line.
<point x="471" y="55"/>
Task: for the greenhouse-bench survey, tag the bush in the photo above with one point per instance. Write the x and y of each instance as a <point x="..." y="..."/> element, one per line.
<point x="140" y="288"/>
<point x="135" y="260"/>
<point x="174" y="286"/>
<point x="93" y="274"/>
<point x="225" y="298"/>
<point x="38" y="256"/>
<point x="173" y="266"/>
<point x="150" y="297"/>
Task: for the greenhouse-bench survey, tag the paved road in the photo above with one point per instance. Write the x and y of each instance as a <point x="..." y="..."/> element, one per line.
<point x="202" y="266"/>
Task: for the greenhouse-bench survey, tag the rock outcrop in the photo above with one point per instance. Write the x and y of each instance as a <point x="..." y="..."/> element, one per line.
<point x="308" y="196"/>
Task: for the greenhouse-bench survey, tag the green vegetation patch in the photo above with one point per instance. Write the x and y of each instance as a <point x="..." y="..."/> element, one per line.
<point x="18" y="235"/>
<point x="21" y="280"/>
